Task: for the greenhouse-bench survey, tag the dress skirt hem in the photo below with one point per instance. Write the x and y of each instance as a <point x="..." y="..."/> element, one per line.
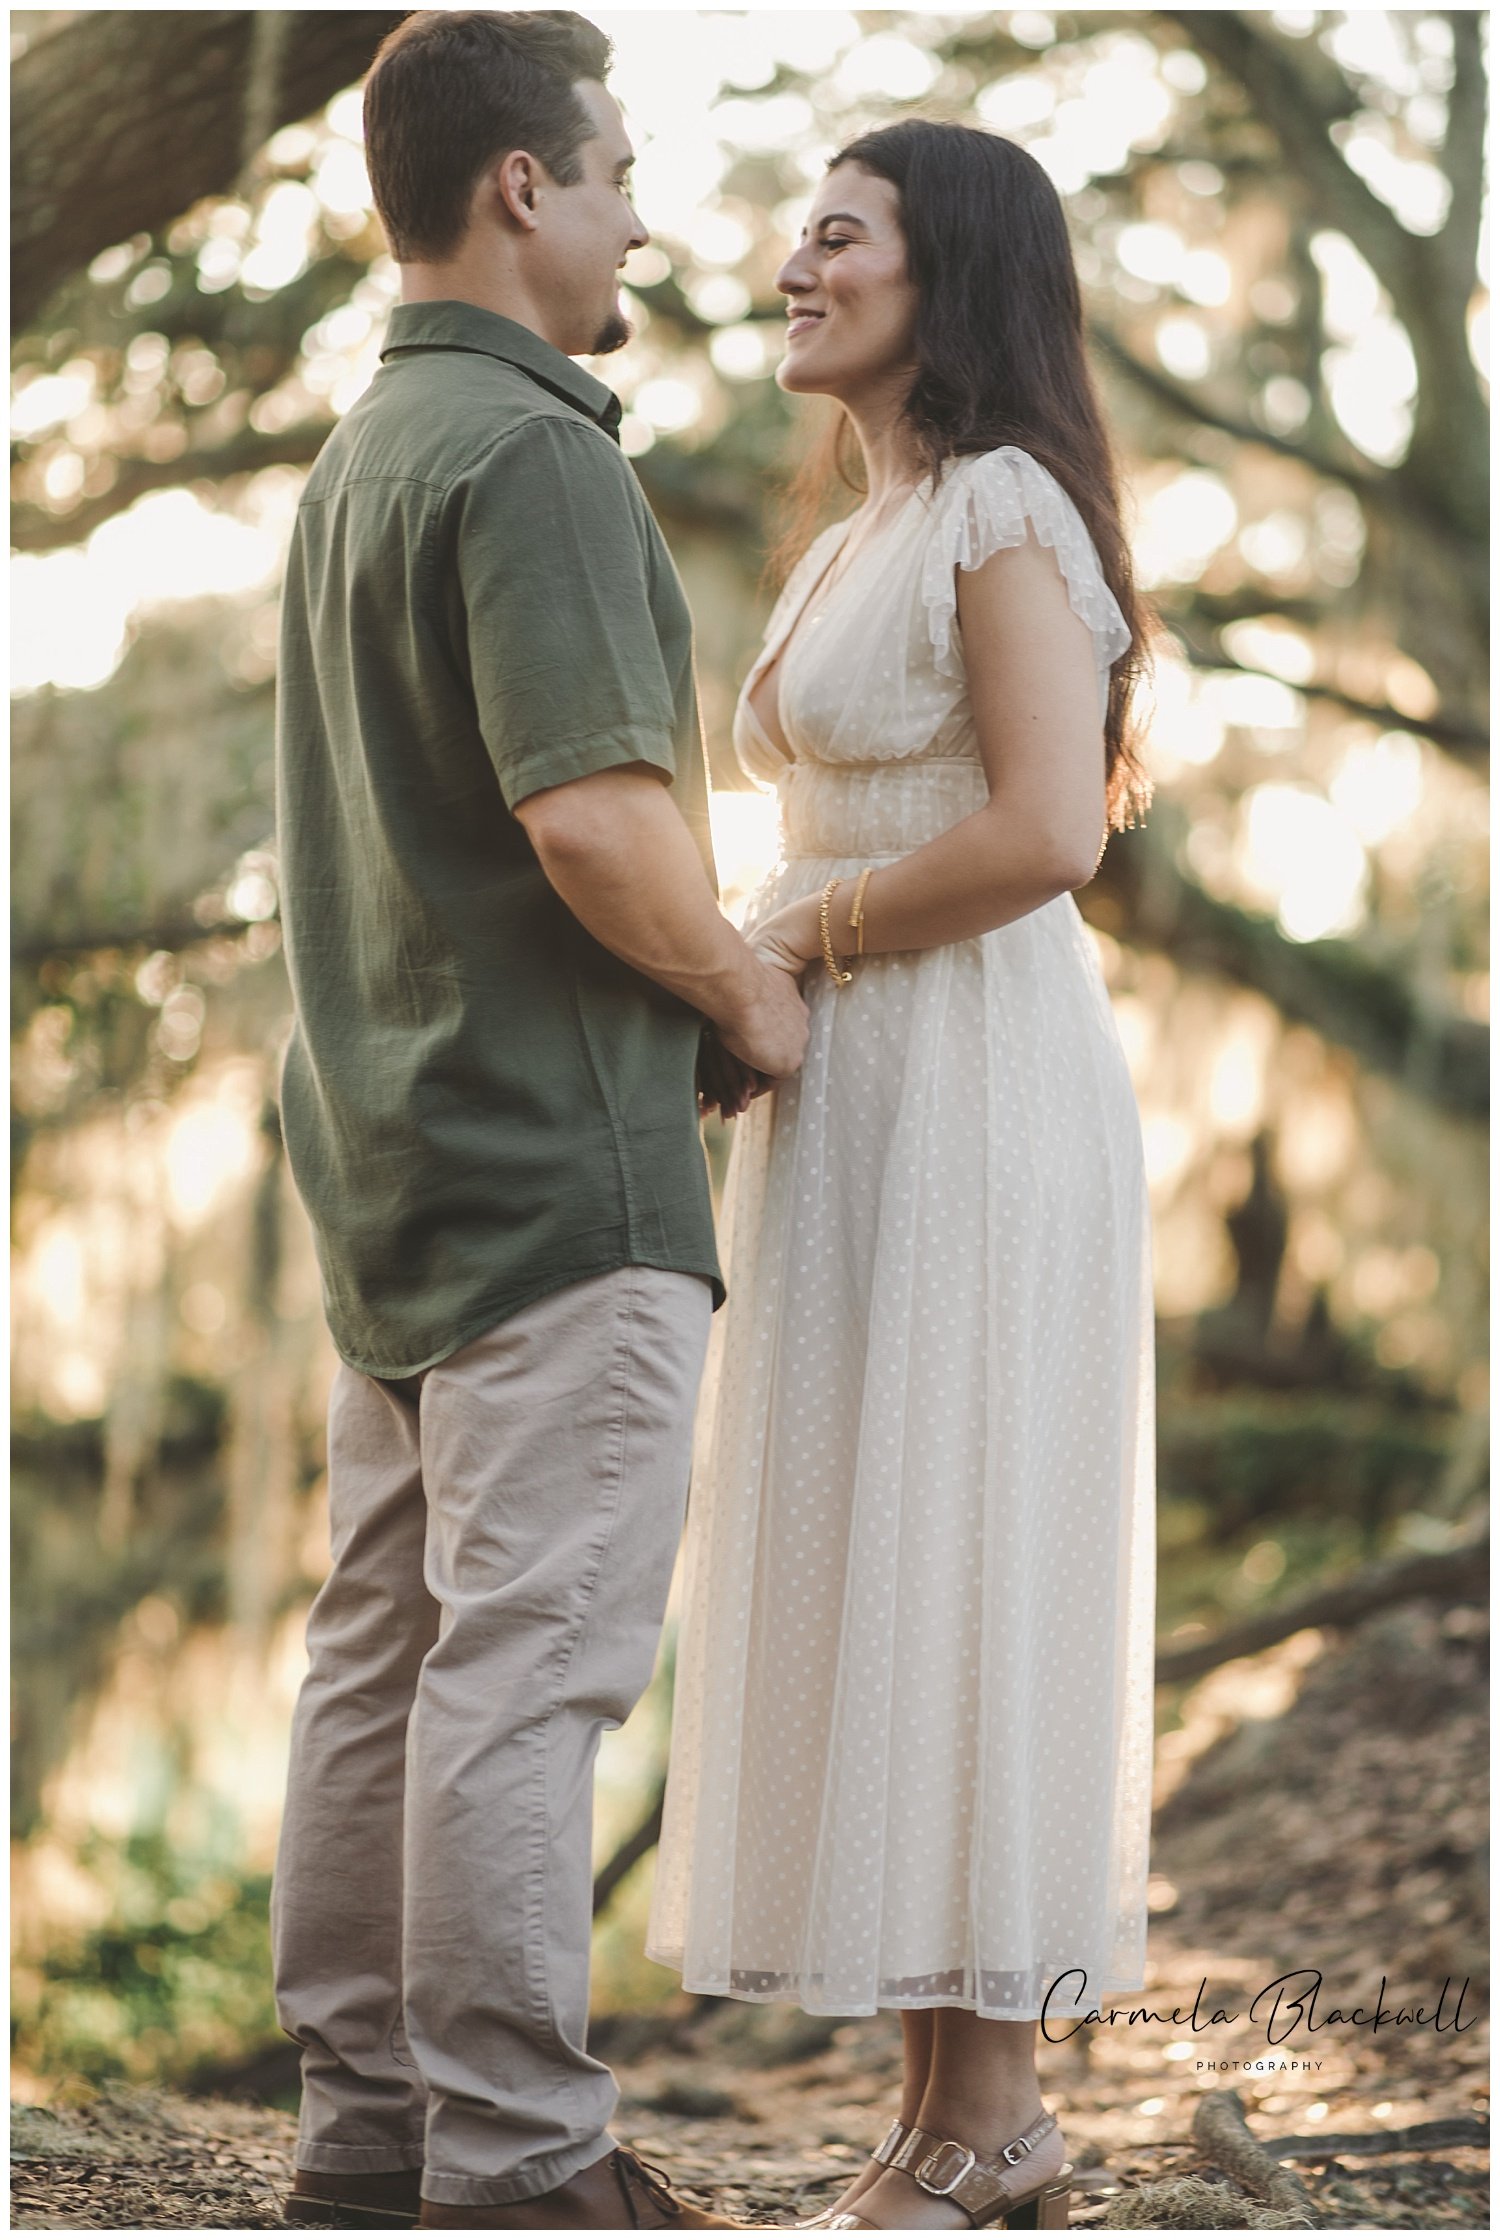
<point x="1056" y="2010"/>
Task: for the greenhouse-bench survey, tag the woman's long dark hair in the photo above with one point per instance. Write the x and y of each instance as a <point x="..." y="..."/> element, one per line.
<point x="1000" y="359"/>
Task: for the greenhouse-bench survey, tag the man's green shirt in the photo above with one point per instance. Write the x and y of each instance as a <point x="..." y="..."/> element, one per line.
<point x="480" y="1102"/>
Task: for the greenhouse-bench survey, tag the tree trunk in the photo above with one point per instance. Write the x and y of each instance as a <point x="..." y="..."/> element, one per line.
<point x="186" y="95"/>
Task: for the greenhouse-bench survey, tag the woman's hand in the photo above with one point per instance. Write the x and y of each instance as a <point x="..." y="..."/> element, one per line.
<point x="790" y="937"/>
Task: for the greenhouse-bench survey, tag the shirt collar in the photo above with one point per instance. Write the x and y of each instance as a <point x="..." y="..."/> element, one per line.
<point x="453" y="325"/>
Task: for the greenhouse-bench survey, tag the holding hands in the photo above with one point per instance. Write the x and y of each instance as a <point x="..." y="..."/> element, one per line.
<point x="740" y="1059"/>
<point x="738" y="1063"/>
<point x="726" y="1085"/>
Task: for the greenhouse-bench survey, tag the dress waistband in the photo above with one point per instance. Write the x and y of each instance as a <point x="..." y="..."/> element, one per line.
<point x="875" y="809"/>
<point x="895" y="766"/>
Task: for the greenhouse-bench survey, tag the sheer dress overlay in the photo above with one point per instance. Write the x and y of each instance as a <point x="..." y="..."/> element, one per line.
<point x="912" y="1730"/>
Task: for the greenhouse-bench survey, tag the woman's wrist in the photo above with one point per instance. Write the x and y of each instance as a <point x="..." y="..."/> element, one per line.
<point x="804" y="931"/>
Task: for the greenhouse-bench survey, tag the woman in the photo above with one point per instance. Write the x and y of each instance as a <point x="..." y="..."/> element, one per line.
<point x="912" y="1736"/>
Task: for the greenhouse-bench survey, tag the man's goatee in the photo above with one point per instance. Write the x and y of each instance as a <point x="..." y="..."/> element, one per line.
<point x="613" y="335"/>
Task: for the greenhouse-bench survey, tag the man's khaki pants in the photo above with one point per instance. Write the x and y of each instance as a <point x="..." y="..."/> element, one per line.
<point x="504" y="1528"/>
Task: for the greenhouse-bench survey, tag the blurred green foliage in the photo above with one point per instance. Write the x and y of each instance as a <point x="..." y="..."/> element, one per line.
<point x="177" y="1977"/>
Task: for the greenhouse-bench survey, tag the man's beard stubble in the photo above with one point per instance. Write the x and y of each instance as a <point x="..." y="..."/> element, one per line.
<point x="613" y="335"/>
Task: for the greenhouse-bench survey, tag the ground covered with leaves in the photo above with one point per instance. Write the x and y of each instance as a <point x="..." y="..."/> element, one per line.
<point x="1321" y="1817"/>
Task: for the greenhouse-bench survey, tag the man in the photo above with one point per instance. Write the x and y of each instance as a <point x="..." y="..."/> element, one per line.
<point x="504" y="944"/>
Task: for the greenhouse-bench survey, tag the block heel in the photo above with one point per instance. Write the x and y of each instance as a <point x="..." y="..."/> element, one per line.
<point x="1047" y="2211"/>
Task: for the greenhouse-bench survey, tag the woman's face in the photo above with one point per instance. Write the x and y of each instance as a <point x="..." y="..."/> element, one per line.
<point x="852" y="309"/>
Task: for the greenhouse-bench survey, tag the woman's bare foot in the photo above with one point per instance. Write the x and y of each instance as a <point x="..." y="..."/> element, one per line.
<point x="916" y="2051"/>
<point x="858" y="2186"/>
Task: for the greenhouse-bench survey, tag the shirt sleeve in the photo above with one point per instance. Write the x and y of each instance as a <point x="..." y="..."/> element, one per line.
<point x="552" y="609"/>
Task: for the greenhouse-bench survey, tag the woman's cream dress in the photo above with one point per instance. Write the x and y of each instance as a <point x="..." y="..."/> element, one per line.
<point x="912" y="1734"/>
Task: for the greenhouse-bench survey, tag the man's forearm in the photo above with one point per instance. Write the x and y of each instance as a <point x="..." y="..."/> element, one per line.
<point x="624" y="862"/>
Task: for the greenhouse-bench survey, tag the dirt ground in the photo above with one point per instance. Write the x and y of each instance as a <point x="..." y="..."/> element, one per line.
<point x="1340" y="1829"/>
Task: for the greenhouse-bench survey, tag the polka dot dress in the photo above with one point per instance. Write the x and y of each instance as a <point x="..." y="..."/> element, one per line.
<point x="912" y="1731"/>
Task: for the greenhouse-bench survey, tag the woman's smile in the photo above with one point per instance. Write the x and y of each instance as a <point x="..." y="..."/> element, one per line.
<point x="850" y="259"/>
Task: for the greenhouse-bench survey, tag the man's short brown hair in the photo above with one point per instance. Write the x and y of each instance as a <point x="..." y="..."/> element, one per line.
<point x="447" y="95"/>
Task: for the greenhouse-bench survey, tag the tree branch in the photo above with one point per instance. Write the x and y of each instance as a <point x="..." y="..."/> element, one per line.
<point x="682" y="492"/>
<point x="1141" y="895"/>
<point x="1453" y="1575"/>
<point x="1463" y="150"/>
<point x="1456" y="735"/>
<point x="1223" y="2136"/>
<point x="171" y="934"/>
<point x="34" y="529"/>
<point x="1410" y="2138"/>
<point x="1298" y="96"/>
<point x="176" y="96"/>
<point x="643" y="1838"/>
<point x="1383" y="492"/>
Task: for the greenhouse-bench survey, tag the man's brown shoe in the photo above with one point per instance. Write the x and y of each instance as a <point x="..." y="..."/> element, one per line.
<point x="618" y="2193"/>
<point x="363" y="2200"/>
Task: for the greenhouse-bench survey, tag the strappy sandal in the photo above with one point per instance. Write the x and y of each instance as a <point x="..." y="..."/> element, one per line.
<point x="973" y="2182"/>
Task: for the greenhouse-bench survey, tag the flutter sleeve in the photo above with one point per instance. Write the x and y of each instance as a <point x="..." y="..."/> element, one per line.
<point x="987" y="504"/>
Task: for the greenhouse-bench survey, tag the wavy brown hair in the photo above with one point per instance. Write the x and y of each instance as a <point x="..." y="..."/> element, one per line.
<point x="1000" y="359"/>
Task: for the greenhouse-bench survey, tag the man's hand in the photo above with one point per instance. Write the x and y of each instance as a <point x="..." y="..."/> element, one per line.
<point x="768" y="1031"/>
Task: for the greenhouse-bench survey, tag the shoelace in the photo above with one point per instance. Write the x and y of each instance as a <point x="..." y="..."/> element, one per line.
<point x="654" y="2182"/>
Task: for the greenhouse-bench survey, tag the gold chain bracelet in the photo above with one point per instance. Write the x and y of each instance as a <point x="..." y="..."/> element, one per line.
<point x="857" y="910"/>
<point x="840" y="979"/>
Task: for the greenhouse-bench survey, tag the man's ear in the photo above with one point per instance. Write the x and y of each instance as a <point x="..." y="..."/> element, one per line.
<point x="515" y="182"/>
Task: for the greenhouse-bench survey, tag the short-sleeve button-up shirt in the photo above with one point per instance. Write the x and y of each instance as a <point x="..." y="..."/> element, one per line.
<point x="480" y="1102"/>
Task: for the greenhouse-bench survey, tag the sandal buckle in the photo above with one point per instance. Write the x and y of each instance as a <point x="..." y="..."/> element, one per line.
<point x="1010" y="2153"/>
<point x="929" y="2183"/>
